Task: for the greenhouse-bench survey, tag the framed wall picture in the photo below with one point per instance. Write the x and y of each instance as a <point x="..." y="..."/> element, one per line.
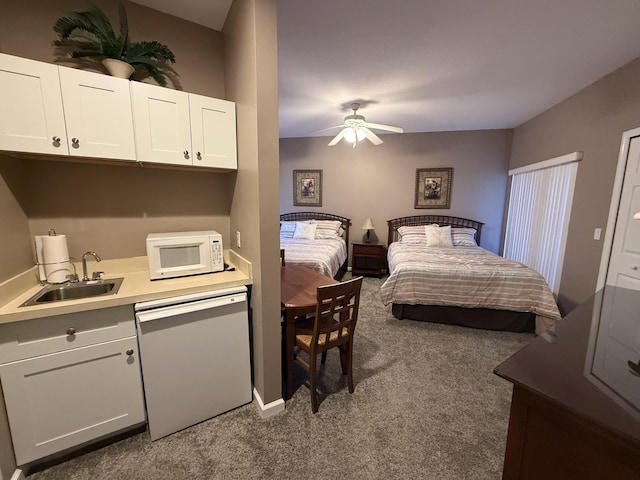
<point x="433" y="187"/>
<point x="307" y="188"/>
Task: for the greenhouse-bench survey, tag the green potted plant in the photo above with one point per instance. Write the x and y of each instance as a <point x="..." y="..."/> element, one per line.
<point x="90" y="34"/>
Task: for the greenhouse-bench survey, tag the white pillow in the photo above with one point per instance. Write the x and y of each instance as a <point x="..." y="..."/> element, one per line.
<point x="327" y="228"/>
<point x="464" y="237"/>
<point x="438" y="236"/>
<point x="306" y="231"/>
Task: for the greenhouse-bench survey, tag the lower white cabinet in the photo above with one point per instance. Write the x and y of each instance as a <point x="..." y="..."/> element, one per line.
<point x="69" y="397"/>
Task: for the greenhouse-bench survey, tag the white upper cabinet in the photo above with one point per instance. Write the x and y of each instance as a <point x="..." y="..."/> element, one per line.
<point x="182" y="128"/>
<point x="32" y="117"/>
<point x="213" y="132"/>
<point x="162" y="125"/>
<point x="98" y="115"/>
<point x="55" y="110"/>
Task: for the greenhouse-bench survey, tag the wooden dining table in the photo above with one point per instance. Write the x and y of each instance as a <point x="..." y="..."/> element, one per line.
<point x="298" y="296"/>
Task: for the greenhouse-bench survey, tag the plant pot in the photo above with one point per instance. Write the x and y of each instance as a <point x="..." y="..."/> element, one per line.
<point x="118" y="68"/>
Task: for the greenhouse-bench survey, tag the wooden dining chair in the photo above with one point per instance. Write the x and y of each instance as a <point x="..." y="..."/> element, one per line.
<point x="282" y="262"/>
<point x="332" y="326"/>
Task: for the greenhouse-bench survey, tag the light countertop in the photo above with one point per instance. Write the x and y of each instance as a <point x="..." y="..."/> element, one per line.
<point x="136" y="287"/>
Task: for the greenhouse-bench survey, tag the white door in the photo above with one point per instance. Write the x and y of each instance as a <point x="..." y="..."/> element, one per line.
<point x="32" y="118"/>
<point x="162" y="125"/>
<point x="65" y="399"/>
<point x="624" y="263"/>
<point x="98" y="115"/>
<point x="213" y="132"/>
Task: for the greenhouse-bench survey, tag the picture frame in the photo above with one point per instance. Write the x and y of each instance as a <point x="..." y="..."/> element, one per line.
<point x="433" y="187"/>
<point x="307" y="188"/>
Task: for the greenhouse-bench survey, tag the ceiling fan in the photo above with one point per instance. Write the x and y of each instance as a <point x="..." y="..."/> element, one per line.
<point x="355" y="129"/>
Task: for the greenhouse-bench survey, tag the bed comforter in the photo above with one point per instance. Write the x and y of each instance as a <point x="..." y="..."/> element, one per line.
<point x="322" y="255"/>
<point x="469" y="277"/>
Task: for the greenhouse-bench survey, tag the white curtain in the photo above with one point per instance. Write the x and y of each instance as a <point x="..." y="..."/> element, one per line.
<point x="538" y="215"/>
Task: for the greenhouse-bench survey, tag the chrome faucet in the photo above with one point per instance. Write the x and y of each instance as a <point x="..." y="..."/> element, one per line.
<point x="84" y="263"/>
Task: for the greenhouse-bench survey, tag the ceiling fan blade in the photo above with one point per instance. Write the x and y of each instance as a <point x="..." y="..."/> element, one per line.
<point x="337" y="138"/>
<point x="389" y="128"/>
<point x="329" y="128"/>
<point x="373" y="138"/>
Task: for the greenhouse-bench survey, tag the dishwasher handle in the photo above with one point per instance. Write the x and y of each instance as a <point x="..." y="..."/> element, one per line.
<point x="184" y="308"/>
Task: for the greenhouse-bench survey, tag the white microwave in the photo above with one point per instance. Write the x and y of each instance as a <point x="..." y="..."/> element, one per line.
<point x="177" y="254"/>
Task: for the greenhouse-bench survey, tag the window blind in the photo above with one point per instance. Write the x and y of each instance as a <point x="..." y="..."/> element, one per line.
<point x="538" y="215"/>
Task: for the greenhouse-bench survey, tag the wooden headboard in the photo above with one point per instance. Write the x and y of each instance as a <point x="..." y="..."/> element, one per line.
<point x="442" y="220"/>
<point x="302" y="216"/>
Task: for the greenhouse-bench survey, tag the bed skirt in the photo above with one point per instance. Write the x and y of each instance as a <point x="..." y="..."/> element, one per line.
<point x="485" y="318"/>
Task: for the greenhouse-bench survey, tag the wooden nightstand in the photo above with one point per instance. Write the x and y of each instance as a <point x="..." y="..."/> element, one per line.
<point x="368" y="259"/>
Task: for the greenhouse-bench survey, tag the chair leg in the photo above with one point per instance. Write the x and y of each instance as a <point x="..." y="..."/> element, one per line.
<point x="324" y="357"/>
<point x="346" y="359"/>
<point x="312" y="383"/>
<point x="343" y="358"/>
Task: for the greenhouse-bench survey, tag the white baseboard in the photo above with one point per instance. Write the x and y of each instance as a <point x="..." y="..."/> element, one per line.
<point x="271" y="409"/>
<point x="18" y="475"/>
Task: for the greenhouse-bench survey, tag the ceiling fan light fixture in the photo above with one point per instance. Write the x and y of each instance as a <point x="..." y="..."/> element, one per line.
<point x="354" y="133"/>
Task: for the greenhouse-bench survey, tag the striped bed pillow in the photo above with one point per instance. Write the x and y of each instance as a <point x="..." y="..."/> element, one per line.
<point x="464" y="237"/>
<point x="327" y="228"/>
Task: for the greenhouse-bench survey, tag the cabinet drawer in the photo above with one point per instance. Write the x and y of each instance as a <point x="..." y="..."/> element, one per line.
<point x="368" y="250"/>
<point x="41" y="336"/>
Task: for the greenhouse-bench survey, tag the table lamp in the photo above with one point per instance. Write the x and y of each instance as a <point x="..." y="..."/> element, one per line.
<point x="368" y="226"/>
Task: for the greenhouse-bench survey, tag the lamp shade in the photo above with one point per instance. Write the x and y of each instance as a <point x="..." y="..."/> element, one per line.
<point x="636" y="216"/>
<point x="368" y="224"/>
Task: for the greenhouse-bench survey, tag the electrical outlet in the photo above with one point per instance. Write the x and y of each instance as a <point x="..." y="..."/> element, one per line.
<point x="596" y="233"/>
<point x="238" y="243"/>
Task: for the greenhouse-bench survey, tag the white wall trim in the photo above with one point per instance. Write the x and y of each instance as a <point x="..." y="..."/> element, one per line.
<point x="271" y="409"/>
<point x="18" y="475"/>
<point x="607" y="244"/>
<point x="552" y="162"/>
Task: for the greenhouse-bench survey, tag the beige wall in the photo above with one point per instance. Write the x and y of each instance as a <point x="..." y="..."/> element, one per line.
<point x="379" y="181"/>
<point x="110" y="209"/>
<point x="591" y="121"/>
<point x="15" y="254"/>
<point x="250" y="47"/>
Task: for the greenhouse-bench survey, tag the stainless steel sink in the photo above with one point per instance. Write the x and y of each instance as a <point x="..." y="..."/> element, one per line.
<point x="74" y="291"/>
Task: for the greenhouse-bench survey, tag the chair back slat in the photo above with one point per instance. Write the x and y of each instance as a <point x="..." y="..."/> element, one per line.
<point x="336" y="314"/>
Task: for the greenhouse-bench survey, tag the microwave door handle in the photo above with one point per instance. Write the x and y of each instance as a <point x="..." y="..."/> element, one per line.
<point x="185" y="308"/>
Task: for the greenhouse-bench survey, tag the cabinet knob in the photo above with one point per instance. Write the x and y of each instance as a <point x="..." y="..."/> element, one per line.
<point x="56" y="141"/>
<point x="186" y="154"/>
<point x="635" y="267"/>
<point x="75" y="142"/>
<point x="198" y="156"/>
<point x="71" y="331"/>
<point x="130" y="352"/>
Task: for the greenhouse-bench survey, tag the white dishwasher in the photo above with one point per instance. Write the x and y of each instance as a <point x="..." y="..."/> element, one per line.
<point x="194" y="354"/>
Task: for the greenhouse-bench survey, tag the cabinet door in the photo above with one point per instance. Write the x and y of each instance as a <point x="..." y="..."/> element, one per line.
<point x="58" y="401"/>
<point x="162" y="126"/>
<point x="98" y="115"/>
<point x="213" y="132"/>
<point x="32" y="118"/>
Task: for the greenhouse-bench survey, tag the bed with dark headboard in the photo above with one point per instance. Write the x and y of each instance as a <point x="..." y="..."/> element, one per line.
<point x="324" y="251"/>
<point x="441" y="274"/>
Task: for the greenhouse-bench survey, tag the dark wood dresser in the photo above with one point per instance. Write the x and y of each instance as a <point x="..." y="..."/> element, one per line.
<point x="575" y="411"/>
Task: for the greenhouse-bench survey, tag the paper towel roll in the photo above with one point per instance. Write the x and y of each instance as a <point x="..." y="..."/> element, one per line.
<point x="56" y="258"/>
